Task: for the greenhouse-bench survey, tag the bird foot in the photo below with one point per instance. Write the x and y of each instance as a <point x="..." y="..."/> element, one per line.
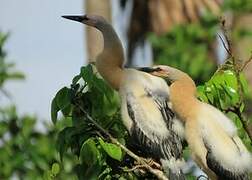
<point x="152" y="163"/>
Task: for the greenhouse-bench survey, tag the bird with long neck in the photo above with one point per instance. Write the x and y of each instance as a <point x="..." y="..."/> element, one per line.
<point x="211" y="136"/>
<point x="110" y="61"/>
<point x="145" y="108"/>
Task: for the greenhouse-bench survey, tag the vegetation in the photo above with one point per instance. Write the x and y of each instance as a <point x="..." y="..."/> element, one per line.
<point x="6" y="72"/>
<point x="92" y="106"/>
<point x="238" y="6"/>
<point x="27" y="153"/>
<point x="89" y="96"/>
<point x="79" y="145"/>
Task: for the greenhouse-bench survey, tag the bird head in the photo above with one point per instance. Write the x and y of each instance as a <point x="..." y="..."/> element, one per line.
<point x="166" y="72"/>
<point x="90" y="20"/>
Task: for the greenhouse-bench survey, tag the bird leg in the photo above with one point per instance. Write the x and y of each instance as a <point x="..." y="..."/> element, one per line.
<point x="152" y="163"/>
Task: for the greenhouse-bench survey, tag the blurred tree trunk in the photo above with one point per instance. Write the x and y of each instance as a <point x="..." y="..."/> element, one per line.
<point x="93" y="36"/>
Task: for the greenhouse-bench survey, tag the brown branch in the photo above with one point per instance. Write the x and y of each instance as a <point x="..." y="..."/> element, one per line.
<point x="134" y="168"/>
<point x="159" y="174"/>
<point x="246" y="62"/>
<point x="245" y="122"/>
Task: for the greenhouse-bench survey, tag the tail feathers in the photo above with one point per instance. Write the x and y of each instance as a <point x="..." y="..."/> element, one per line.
<point x="173" y="167"/>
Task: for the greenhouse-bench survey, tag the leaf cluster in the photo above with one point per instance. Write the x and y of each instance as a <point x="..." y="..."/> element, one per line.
<point x="90" y="95"/>
<point x="26" y="152"/>
<point x="223" y="92"/>
<point x="238" y="6"/>
<point x="6" y="72"/>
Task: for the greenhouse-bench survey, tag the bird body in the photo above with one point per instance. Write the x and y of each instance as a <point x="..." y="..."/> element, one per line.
<point x="135" y="87"/>
<point x="211" y="136"/>
<point x="146" y="111"/>
<point x="223" y="151"/>
<point x="148" y="116"/>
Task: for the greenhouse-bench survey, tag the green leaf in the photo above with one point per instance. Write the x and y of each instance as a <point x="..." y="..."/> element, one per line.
<point x="55" y="168"/>
<point x="76" y="79"/>
<point x="112" y="150"/>
<point x="89" y="153"/>
<point x="244" y="84"/>
<point x="54" y="110"/>
<point x="28" y="124"/>
<point x="63" y="98"/>
<point x="87" y="73"/>
<point x="62" y="101"/>
<point x="47" y="175"/>
<point x="64" y="139"/>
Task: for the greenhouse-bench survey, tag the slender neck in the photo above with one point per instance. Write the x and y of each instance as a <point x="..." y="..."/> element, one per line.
<point x="110" y="37"/>
<point x="110" y="62"/>
<point x="183" y="98"/>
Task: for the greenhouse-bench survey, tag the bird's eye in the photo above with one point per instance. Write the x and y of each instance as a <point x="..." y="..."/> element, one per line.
<point x="158" y="69"/>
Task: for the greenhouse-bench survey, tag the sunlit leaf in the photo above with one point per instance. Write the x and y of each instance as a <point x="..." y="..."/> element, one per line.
<point x="55" y="168"/>
<point x="113" y="150"/>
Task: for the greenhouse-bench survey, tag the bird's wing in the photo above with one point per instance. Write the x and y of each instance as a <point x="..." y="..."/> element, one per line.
<point x="148" y="116"/>
<point x="153" y="122"/>
<point x="221" y="171"/>
<point x="226" y="154"/>
<point x="222" y="120"/>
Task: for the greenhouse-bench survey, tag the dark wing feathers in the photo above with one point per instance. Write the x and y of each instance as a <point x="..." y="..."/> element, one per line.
<point x="220" y="171"/>
<point x="158" y="147"/>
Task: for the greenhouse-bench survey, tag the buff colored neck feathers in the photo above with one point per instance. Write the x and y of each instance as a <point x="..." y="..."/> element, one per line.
<point x="183" y="97"/>
<point x="109" y="63"/>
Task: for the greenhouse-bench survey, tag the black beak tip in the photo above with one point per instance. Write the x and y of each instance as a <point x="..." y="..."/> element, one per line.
<point x="149" y="69"/>
<point x="75" y="18"/>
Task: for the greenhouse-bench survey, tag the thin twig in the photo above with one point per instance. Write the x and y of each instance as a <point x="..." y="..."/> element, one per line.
<point x="134" y="168"/>
<point x="246" y="62"/>
<point x="5" y="93"/>
<point x="159" y="174"/>
<point x="224" y="45"/>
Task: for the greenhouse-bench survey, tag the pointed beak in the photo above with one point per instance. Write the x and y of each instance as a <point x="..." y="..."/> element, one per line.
<point x="76" y="18"/>
<point x="156" y="71"/>
<point x="147" y="69"/>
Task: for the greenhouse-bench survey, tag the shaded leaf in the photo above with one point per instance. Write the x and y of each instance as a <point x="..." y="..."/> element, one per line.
<point x="54" y="110"/>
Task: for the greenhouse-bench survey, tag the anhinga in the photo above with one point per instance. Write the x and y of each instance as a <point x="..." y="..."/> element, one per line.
<point x="145" y="108"/>
<point x="211" y="136"/>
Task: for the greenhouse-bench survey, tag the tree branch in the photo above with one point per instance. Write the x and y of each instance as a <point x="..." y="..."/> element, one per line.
<point x="237" y="69"/>
<point x="159" y="174"/>
<point x="246" y="62"/>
